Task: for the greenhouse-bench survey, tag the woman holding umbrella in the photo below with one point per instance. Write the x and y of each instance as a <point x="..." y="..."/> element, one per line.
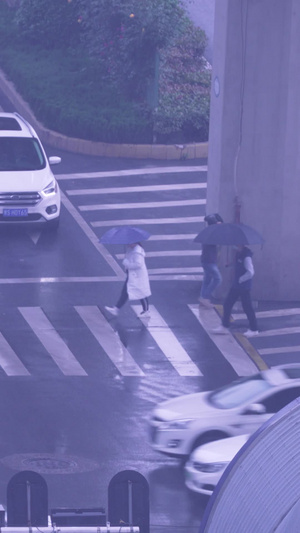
<point x="136" y="286"/>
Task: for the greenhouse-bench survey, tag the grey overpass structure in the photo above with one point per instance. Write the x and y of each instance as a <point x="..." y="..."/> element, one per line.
<point x="254" y="156"/>
<point x="260" y="489"/>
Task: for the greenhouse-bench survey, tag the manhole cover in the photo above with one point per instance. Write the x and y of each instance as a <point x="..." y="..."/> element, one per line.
<point x="47" y="463"/>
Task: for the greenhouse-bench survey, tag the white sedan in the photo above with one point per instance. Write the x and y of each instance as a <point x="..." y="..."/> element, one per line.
<point x="208" y="462"/>
<point x="180" y="425"/>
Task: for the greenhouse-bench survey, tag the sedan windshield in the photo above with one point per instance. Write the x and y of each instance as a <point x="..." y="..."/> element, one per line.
<point x="20" y="153"/>
<point x="239" y="392"/>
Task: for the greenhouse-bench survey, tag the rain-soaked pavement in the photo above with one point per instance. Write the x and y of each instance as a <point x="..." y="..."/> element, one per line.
<point x="75" y="399"/>
<point x="78" y="386"/>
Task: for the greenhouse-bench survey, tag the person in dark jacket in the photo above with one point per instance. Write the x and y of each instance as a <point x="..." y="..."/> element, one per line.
<point x="211" y="274"/>
<point x="241" y="288"/>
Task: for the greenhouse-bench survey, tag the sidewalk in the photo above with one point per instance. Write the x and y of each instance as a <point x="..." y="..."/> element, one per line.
<point x="80" y="146"/>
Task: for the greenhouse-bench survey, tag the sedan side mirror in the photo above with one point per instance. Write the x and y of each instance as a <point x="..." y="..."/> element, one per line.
<point x="54" y="160"/>
<point x="255" y="409"/>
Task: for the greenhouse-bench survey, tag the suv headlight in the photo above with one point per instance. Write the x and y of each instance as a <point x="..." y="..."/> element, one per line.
<point x="177" y="424"/>
<point x="51" y="188"/>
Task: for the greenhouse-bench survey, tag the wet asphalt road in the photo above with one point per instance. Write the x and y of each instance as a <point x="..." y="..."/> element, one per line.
<point x="79" y="431"/>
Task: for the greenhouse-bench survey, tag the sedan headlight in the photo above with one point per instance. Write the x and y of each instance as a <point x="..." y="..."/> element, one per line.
<point x="51" y="188"/>
<point x="209" y="467"/>
<point x="177" y="424"/>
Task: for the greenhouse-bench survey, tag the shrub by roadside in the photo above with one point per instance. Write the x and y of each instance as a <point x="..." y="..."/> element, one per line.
<point x="64" y="89"/>
<point x="71" y="93"/>
<point x="182" y="114"/>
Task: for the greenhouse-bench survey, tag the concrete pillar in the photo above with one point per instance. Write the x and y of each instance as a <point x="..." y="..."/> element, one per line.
<point x="254" y="156"/>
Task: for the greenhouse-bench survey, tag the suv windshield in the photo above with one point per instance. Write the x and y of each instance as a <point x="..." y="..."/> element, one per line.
<point x="21" y="153"/>
<point x="239" y="392"/>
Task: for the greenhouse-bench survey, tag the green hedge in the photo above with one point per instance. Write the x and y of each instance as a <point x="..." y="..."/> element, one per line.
<point x="66" y="93"/>
<point x="69" y="92"/>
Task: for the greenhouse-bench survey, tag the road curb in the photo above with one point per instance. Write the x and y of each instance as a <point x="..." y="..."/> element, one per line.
<point x="81" y="146"/>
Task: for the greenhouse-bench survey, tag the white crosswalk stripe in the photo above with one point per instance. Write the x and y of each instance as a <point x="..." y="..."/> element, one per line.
<point x="146" y="188"/>
<point x="143" y="221"/>
<point x="141" y="205"/>
<point x="9" y="361"/>
<point x="168" y="343"/>
<point x="287" y="330"/>
<point x="227" y="344"/>
<point x="51" y="340"/>
<point x="109" y="340"/>
<point x="132" y="172"/>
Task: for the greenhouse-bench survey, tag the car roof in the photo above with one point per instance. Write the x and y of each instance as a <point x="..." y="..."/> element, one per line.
<point x="14" y="125"/>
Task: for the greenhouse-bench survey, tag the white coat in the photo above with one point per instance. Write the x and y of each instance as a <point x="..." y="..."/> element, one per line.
<point x="138" y="286"/>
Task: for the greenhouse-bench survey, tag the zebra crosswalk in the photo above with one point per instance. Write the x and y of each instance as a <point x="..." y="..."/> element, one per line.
<point x="169" y="202"/>
<point x="38" y="344"/>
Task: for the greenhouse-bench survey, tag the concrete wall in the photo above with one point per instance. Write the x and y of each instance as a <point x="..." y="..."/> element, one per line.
<point x="254" y="133"/>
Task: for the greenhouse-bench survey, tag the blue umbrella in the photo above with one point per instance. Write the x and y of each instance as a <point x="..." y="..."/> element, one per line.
<point x="229" y="234"/>
<point x="124" y="235"/>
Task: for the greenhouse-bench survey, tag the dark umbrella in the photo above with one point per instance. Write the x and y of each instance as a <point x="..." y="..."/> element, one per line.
<point x="124" y="235"/>
<point x="229" y="234"/>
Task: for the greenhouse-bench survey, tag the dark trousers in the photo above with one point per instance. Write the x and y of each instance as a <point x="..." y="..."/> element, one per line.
<point x="245" y="295"/>
<point x="124" y="297"/>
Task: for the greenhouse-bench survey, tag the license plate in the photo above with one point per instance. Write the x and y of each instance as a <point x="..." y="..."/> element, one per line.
<point x="15" y="212"/>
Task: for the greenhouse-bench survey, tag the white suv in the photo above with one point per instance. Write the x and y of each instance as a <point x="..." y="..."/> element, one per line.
<point x="28" y="190"/>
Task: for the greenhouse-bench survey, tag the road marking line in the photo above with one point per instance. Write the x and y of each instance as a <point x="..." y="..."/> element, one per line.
<point x="63" y="279"/>
<point x="168" y="343"/>
<point x="140" y="221"/>
<point x="279" y="331"/>
<point x="51" y="340"/>
<point x="141" y="205"/>
<point x="179" y="236"/>
<point x="138" y="189"/>
<point x="227" y="344"/>
<point x="282" y="349"/>
<point x="180" y="277"/>
<point x="251" y="351"/>
<point x="92" y="237"/>
<point x="131" y="172"/>
<point x="168" y="253"/>
<point x="88" y="279"/>
<point x="109" y="340"/>
<point x="174" y="270"/>
<point x="271" y="313"/>
<point x="9" y="361"/>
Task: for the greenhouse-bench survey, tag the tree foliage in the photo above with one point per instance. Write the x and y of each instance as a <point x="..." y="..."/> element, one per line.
<point x="123" y="35"/>
<point x="49" y="23"/>
<point x="184" y="87"/>
<point x="120" y="41"/>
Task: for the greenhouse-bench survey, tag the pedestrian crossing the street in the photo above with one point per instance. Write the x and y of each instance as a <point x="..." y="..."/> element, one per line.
<point x="47" y="348"/>
<point x="169" y="202"/>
